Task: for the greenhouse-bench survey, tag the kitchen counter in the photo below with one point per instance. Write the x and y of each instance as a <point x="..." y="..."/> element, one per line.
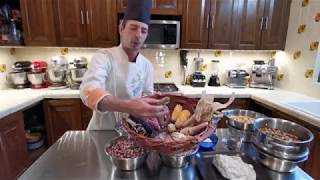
<point x="80" y="155"/>
<point x="15" y="100"/>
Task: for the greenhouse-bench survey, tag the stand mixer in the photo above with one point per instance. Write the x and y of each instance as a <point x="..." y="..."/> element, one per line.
<point x="76" y="72"/>
<point x="37" y="76"/>
<point x="57" y="71"/>
<point x="18" y="75"/>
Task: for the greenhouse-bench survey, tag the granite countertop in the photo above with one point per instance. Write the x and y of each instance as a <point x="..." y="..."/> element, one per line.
<point x="14" y="100"/>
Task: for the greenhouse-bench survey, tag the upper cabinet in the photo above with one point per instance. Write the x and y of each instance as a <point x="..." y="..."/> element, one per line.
<point x="102" y="23"/>
<point x="235" y="24"/>
<point x="38" y="23"/>
<point x="250" y="24"/>
<point x="159" y="7"/>
<point x="209" y="24"/>
<point x="195" y="25"/>
<point x="222" y="26"/>
<point x="276" y="18"/>
<point x="262" y="24"/>
<point x="83" y="23"/>
<point x="71" y="21"/>
<point x="75" y="23"/>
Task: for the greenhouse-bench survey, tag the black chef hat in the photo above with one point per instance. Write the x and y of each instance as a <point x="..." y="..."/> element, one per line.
<point x="139" y="10"/>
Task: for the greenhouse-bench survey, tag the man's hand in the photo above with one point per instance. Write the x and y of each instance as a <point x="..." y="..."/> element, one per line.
<point x="147" y="108"/>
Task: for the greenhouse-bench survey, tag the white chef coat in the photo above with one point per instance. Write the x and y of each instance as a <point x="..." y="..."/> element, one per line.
<point x="111" y="70"/>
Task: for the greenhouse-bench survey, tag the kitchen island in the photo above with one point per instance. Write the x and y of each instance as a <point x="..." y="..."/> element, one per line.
<point x="80" y="155"/>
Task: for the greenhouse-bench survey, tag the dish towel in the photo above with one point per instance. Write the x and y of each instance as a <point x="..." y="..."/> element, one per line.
<point x="232" y="167"/>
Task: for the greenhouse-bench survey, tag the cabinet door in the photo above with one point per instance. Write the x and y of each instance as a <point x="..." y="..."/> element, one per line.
<point x="14" y="143"/>
<point x="102" y="23"/>
<point x="249" y="24"/>
<point x="122" y="5"/>
<point x="312" y="165"/>
<point x="4" y="171"/>
<point x="86" y="116"/>
<point x="160" y="7"/>
<point x="223" y="16"/>
<point x="167" y="7"/>
<point x="61" y="116"/>
<point x="275" y="24"/>
<point x="38" y="22"/>
<point x="71" y="19"/>
<point x="196" y="18"/>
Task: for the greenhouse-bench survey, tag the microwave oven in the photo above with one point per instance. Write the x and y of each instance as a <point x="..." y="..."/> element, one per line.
<point x="163" y="34"/>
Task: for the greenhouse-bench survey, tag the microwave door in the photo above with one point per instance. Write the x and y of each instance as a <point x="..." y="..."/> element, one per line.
<point x="163" y="34"/>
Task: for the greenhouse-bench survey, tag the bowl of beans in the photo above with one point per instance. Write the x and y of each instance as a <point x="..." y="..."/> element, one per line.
<point x="240" y="122"/>
<point x="282" y="138"/>
<point x="125" y="153"/>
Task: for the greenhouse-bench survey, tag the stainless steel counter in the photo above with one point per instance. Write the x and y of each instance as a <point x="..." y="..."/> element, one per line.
<point x="80" y="155"/>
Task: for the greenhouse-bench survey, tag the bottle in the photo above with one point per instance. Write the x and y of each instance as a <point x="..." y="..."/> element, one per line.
<point x="14" y="33"/>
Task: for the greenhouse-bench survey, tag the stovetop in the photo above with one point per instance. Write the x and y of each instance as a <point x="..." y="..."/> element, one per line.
<point x="165" y="87"/>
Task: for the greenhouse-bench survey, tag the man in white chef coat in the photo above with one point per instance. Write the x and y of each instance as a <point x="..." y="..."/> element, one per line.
<point x="119" y="77"/>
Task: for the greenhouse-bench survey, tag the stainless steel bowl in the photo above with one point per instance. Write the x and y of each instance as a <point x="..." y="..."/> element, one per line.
<point x="277" y="164"/>
<point x="36" y="78"/>
<point x="246" y="130"/>
<point x="18" y="78"/>
<point x="127" y="164"/>
<point x="178" y="160"/>
<point x="56" y="75"/>
<point x="290" y="150"/>
<point x="77" y="74"/>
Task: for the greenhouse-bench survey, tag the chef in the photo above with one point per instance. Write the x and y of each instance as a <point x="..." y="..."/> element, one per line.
<point x="118" y="78"/>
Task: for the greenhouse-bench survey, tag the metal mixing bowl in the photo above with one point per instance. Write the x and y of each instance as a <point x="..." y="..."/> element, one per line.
<point x="36" y="78"/>
<point x="229" y="113"/>
<point x="77" y="74"/>
<point x="290" y="150"/>
<point x="237" y="126"/>
<point x="57" y="75"/>
<point x="178" y="160"/>
<point x="127" y="164"/>
<point x="18" y="78"/>
<point x="277" y="164"/>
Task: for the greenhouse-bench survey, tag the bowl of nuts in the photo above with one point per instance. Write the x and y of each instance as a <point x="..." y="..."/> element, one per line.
<point x="125" y="154"/>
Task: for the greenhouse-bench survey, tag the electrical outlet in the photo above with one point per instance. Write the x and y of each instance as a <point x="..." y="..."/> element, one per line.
<point x="3" y="68"/>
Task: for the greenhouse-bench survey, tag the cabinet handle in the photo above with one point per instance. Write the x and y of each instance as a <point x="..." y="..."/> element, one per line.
<point x="261" y="23"/>
<point x="82" y="20"/>
<point x="208" y="22"/>
<point x="88" y="21"/>
<point x="266" y="26"/>
<point x="212" y="22"/>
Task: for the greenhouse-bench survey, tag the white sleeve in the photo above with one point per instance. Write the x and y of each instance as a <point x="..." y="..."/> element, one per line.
<point x="148" y="85"/>
<point x="96" y="75"/>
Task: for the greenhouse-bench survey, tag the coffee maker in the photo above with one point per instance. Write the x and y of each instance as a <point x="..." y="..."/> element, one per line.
<point x="198" y="78"/>
<point x="57" y="71"/>
<point x="77" y="69"/>
<point x="263" y="75"/>
<point x="18" y="75"/>
<point x="37" y="76"/>
<point x="236" y="78"/>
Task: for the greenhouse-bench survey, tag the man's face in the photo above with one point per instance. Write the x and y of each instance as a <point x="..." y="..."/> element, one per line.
<point x="133" y="34"/>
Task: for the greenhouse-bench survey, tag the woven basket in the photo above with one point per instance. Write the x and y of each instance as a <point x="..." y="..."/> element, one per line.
<point x="159" y="145"/>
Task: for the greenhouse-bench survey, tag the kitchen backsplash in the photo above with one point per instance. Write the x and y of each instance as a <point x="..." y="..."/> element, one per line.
<point x="5" y="59"/>
<point x="303" y="30"/>
<point x="171" y="63"/>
